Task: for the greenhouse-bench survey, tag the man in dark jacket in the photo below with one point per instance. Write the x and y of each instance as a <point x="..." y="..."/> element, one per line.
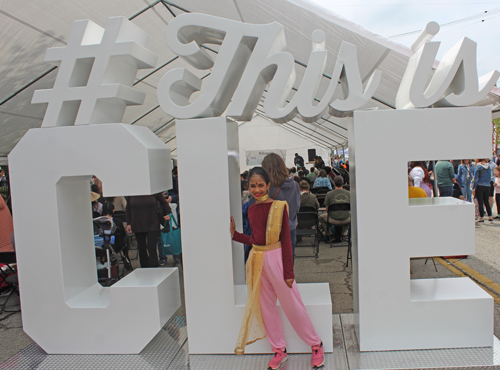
<point x="298" y="160"/>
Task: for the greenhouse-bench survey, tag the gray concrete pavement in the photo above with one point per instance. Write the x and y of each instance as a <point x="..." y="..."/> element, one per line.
<point x="329" y="267"/>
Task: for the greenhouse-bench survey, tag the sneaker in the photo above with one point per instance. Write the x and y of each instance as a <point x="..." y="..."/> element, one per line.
<point x="481" y="221"/>
<point x="162" y="261"/>
<point x="279" y="358"/>
<point x="491" y="221"/>
<point x="318" y="358"/>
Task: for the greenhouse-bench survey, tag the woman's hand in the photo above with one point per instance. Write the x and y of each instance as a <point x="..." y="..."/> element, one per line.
<point x="232" y="226"/>
<point x="167" y="217"/>
<point x="129" y="229"/>
<point x="289" y="282"/>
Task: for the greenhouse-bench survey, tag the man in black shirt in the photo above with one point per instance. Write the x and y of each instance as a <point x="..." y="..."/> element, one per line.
<point x="298" y="161"/>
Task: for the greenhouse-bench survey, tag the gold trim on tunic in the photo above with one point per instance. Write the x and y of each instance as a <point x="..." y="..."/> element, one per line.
<point x="252" y="327"/>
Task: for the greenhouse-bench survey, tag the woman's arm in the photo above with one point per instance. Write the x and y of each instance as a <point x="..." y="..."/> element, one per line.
<point x="476" y="177"/>
<point x="239" y="237"/>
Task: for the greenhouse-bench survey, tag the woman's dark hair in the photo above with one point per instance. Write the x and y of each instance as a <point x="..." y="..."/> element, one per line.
<point x="259" y="171"/>
<point x="322" y="173"/>
<point x="108" y="208"/>
<point x="95" y="188"/>
<point x="417" y="164"/>
<point x="276" y="168"/>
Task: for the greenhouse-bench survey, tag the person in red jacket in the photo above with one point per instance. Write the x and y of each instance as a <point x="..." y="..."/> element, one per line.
<point x="6" y="227"/>
<point x="270" y="275"/>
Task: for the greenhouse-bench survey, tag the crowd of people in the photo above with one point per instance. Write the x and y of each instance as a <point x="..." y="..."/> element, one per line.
<point x="272" y="196"/>
<point x="475" y="181"/>
<point x="143" y="215"/>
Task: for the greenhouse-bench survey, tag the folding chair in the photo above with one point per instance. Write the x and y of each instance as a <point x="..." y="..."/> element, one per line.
<point x="319" y="189"/>
<point x="9" y="276"/>
<point x="329" y="221"/>
<point x="308" y="226"/>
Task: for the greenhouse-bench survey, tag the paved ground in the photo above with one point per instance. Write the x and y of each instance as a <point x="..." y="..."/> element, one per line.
<point x="329" y="267"/>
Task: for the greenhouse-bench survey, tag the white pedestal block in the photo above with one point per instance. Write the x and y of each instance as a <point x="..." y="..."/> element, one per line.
<point x="65" y="310"/>
<point x="392" y="311"/>
<point x="213" y="264"/>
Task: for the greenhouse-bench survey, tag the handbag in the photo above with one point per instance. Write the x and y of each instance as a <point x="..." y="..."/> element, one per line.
<point x="171" y="241"/>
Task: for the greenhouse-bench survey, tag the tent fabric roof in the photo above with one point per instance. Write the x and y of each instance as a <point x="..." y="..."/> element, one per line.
<point x="29" y="28"/>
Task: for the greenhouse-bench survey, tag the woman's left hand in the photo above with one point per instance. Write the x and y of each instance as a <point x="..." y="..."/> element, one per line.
<point x="167" y="217"/>
<point x="289" y="282"/>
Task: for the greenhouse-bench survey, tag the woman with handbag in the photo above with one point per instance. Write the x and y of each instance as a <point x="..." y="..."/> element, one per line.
<point x="143" y="219"/>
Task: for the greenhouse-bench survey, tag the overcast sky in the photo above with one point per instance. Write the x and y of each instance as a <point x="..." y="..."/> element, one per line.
<point x="393" y="17"/>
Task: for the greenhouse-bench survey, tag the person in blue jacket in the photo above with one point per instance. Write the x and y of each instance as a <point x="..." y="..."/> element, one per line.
<point x="481" y="188"/>
<point x="465" y="174"/>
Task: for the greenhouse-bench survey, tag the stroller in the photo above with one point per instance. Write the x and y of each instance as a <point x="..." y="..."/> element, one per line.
<point x="111" y="244"/>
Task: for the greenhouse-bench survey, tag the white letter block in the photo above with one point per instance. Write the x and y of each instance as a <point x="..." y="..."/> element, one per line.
<point x="392" y="311"/>
<point x="65" y="309"/>
<point x="215" y="293"/>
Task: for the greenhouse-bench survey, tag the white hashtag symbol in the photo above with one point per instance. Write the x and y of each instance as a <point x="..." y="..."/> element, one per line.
<point x="96" y="73"/>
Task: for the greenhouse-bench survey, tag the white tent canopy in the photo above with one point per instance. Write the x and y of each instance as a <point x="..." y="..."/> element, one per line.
<point x="261" y="134"/>
<point x="29" y="28"/>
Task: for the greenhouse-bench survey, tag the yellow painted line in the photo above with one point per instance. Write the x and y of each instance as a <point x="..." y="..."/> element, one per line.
<point x="476" y="275"/>
<point x="480" y="280"/>
<point x="449" y="267"/>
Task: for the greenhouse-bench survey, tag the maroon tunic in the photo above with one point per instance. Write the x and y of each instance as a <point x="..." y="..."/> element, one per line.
<point x="257" y="215"/>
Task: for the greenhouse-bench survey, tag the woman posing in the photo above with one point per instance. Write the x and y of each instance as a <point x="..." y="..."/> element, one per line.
<point x="269" y="275"/>
<point x="283" y="187"/>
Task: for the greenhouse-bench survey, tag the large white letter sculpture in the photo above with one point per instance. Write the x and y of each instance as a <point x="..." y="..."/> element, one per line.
<point x="394" y="311"/>
<point x="454" y="82"/>
<point x="65" y="309"/>
<point x="250" y="57"/>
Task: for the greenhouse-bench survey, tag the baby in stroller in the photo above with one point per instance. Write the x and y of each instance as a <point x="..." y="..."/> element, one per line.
<point x="111" y="241"/>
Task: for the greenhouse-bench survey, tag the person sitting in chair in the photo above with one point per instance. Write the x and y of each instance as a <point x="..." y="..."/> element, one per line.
<point x="337" y="195"/>
<point x="322" y="181"/>
<point x="306" y="198"/>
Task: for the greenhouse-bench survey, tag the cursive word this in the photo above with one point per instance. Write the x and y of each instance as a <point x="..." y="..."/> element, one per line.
<point x="251" y="57"/>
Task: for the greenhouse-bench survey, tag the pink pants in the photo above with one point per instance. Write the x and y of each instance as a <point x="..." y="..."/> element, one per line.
<point x="272" y="285"/>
